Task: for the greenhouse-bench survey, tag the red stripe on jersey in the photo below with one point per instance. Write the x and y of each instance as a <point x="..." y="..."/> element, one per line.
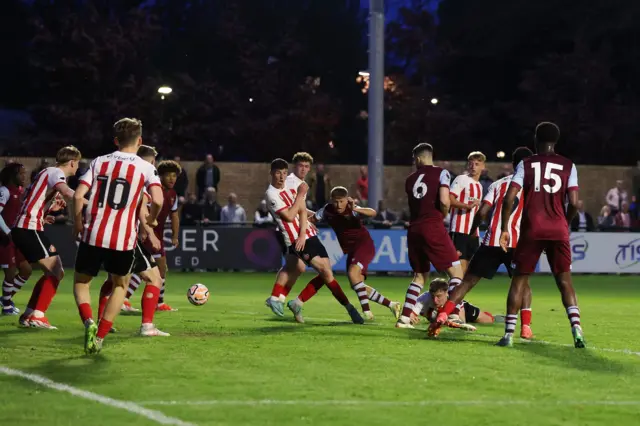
<point x="460" y="212"/>
<point x="94" y="206"/>
<point x="286" y="198"/>
<point x="115" y="173"/>
<point x="287" y="225"/>
<point x="41" y="210"/>
<point x="84" y="183"/>
<point x="472" y="194"/>
<point x="133" y="210"/>
<point x="115" y="230"/>
<point x="35" y="195"/>
<point x="497" y="214"/>
<point x="515" y="221"/>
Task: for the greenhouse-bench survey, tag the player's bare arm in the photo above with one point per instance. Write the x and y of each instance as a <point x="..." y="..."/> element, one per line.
<point x="147" y="230"/>
<point x="156" y="204"/>
<point x="365" y="211"/>
<point x="445" y="200"/>
<point x="78" y="203"/>
<point x="482" y="214"/>
<point x="457" y="204"/>
<point x="507" y="209"/>
<point x="175" y="227"/>
<point x="65" y="191"/>
<point x="572" y="208"/>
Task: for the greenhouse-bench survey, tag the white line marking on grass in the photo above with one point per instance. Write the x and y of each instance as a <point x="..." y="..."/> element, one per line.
<point x="346" y="319"/>
<point x="131" y="407"/>
<point x="489" y="336"/>
<point x="331" y="402"/>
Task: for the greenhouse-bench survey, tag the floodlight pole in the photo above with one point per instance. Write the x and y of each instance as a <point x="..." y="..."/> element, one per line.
<point x="376" y="102"/>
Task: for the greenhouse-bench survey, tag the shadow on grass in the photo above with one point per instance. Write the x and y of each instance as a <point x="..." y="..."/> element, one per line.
<point x="75" y="370"/>
<point x="579" y="359"/>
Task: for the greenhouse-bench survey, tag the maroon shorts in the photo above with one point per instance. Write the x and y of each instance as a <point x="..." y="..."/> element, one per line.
<point x="362" y="255"/>
<point x="155" y="253"/>
<point x="527" y="254"/>
<point x="429" y="243"/>
<point x="10" y="256"/>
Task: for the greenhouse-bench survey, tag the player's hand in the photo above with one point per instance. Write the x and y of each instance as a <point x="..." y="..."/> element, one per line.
<point x="49" y="219"/>
<point x="300" y="243"/>
<point x="504" y="241"/>
<point x="155" y="242"/>
<point x="474" y="204"/>
<point x="414" y="319"/>
<point x="143" y="234"/>
<point x="153" y="223"/>
<point x="181" y="200"/>
<point x="174" y="241"/>
<point x="303" y="188"/>
<point x="351" y="203"/>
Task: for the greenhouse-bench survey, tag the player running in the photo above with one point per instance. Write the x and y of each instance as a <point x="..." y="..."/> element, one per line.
<point x="488" y="258"/>
<point x="301" y="239"/>
<point x="428" y="192"/>
<point x="547" y="180"/>
<point x="16" y="268"/>
<point x="29" y="237"/>
<point x="293" y="266"/>
<point x="116" y="182"/>
<point x="345" y="218"/>
<point x="465" y="196"/>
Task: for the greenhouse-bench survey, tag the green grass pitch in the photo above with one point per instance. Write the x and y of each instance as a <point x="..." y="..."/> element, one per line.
<point x="231" y="362"/>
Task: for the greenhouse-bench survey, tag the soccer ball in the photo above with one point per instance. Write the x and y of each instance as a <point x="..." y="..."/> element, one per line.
<point x="198" y="294"/>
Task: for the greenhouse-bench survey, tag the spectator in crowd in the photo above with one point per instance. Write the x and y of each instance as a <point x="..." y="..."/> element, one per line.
<point x="485" y="181"/>
<point x="615" y="197"/>
<point x="405" y="218"/>
<point x="191" y="210"/>
<point x="636" y="181"/>
<point x="633" y="208"/>
<point x="207" y="176"/>
<point x="83" y="166"/>
<point x="623" y="217"/>
<point x="385" y="218"/>
<point x="182" y="182"/>
<point x="319" y="187"/>
<point x="44" y="163"/>
<point x="233" y="212"/>
<point x="606" y="219"/>
<point x="582" y="222"/>
<point x="263" y="218"/>
<point x="211" y="210"/>
<point x="362" y="186"/>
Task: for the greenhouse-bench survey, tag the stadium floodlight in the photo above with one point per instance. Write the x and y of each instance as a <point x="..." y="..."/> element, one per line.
<point x="363" y="73"/>
<point x="434" y="101"/>
<point x="500" y="154"/>
<point x="165" y="90"/>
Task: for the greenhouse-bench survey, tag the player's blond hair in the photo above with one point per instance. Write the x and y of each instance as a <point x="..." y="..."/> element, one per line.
<point x="477" y="155"/>
<point x="300" y="157"/>
<point x="68" y="153"/>
<point x="127" y="131"/>
<point x="339" y="192"/>
<point x="438" y="285"/>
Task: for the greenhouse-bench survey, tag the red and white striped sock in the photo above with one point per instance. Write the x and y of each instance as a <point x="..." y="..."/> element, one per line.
<point x="361" y="291"/>
<point x="161" y="298"/>
<point x="134" y="283"/>
<point x="411" y="297"/>
<point x="574" y="316"/>
<point x="379" y="298"/>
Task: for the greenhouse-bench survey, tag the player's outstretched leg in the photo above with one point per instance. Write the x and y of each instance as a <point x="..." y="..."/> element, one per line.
<point x="570" y="302"/>
<point x="514" y="300"/>
<point x="379" y="298"/>
<point x="323" y="267"/>
<point x="295" y="306"/>
<point x="413" y="291"/>
<point x="43" y="293"/>
<point x="525" y="314"/>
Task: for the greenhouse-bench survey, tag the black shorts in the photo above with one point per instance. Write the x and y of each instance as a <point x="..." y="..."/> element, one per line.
<point x="283" y="246"/>
<point x="143" y="260"/>
<point x="34" y="245"/>
<point x="312" y="248"/>
<point x="465" y="244"/>
<point x="487" y="260"/>
<point x="90" y="258"/>
<point x="471" y="312"/>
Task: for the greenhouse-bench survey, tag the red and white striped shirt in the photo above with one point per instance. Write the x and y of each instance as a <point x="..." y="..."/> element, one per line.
<point x="37" y="197"/>
<point x="466" y="190"/>
<point x="281" y="199"/>
<point x="116" y="182"/>
<point x="495" y="198"/>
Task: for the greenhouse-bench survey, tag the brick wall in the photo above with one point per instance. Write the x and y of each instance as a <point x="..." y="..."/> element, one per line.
<point x="250" y="180"/>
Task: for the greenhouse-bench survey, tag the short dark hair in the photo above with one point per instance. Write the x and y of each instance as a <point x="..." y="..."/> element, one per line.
<point x="339" y="192"/>
<point x="437" y="285"/>
<point x="422" y="148"/>
<point x="279" y="164"/>
<point x="9" y="173"/>
<point x="520" y="154"/>
<point x="147" y="151"/>
<point x="169" y="166"/>
<point x="547" y="132"/>
<point x="68" y="153"/>
<point x="127" y="131"/>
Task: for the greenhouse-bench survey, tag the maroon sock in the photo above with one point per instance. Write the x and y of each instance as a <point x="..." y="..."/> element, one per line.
<point x="104" y="327"/>
<point x="413" y="291"/>
<point x="85" y="312"/>
<point x="337" y="292"/>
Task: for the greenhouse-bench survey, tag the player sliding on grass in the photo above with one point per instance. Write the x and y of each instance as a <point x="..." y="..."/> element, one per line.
<point x="16" y="268"/>
<point x="345" y="218"/>
<point x="29" y="237"/>
<point x="116" y="182"/>
<point x="489" y="256"/>
<point x="301" y="239"/>
<point x="293" y="266"/>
